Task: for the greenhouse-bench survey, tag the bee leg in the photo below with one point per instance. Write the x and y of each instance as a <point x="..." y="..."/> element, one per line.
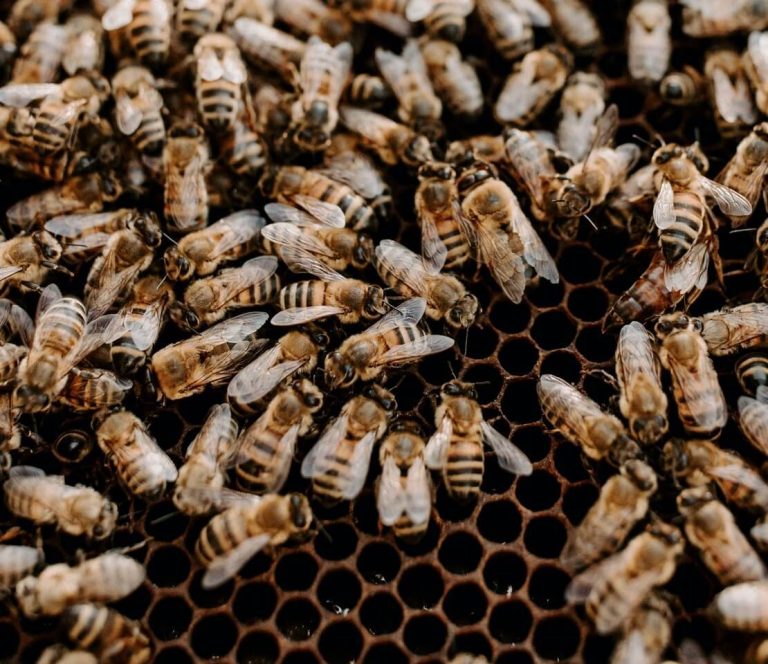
<point x="58" y="268"/>
<point x="11" y="533"/>
<point x="31" y="285"/>
<point x="608" y="377"/>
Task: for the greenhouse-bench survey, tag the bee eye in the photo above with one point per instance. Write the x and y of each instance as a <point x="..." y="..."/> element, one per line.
<point x="472" y="393"/>
<point x="682" y="322"/>
<point x="452" y="389"/>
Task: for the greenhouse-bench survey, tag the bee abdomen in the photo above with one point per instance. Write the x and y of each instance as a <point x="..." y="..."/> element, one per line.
<point x="407" y="530"/>
<point x="255" y="472"/>
<point x="218" y="105"/>
<point x="464" y="468"/>
<point x="680" y="236"/>
<point x="150" y="136"/>
<point x="302" y="294"/>
<point x="223" y="533"/>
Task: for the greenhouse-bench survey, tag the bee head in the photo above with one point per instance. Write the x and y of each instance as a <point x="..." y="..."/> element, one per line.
<point x="339" y="372"/>
<point x="674" y="457"/>
<point x="375" y="302"/>
<point x="301" y="515"/>
<point x="458" y="389"/>
<point x="312" y="137"/>
<point x="48" y="245"/>
<point x="573" y="200"/>
<point x="436" y="170"/>
<point x="148" y="227"/>
<point x="383" y="397"/>
<point x="649" y="429"/>
<point x="184" y="317"/>
<point x="462" y="315"/>
<point x="694" y="498"/>
<point x="310" y="396"/>
<point x="641" y="474"/>
<point x="177" y="266"/>
<point x="362" y="251"/>
<point x="474" y="175"/>
<point x="417" y="151"/>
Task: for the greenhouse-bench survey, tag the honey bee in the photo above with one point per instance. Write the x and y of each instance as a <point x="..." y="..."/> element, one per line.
<point x="443" y="19"/>
<point x="106" y="633"/>
<point x="729" y="91"/>
<point x="581" y="107"/>
<point x="615" y="588"/>
<point x="26" y="260"/>
<point x="406" y="74"/>
<point x="147" y="24"/>
<point x="141" y="464"/>
<point x="243" y="148"/>
<point x="753" y="417"/>
<point x="392" y="141"/>
<point x="231" y="538"/>
<point x="533" y="83"/>
<point x="574" y="22"/>
<point x="41" y="55"/>
<point x="456" y="447"/>
<point x="493" y="222"/>
<point x="708" y="18"/>
<point x="649" y="44"/>
<point x="752" y="372"/>
<point x="139" y="109"/>
<point x="642" y="401"/>
<point x="746" y="170"/>
<point x="394" y="340"/>
<point x="260" y="10"/>
<point x="582" y="422"/>
<point x="195" y="19"/>
<point x="25" y="15"/>
<point x="212" y="357"/>
<point x="206" y="301"/>
<point x="732" y="329"/>
<point x="10" y="430"/>
<point x="711" y="528"/>
<point x="106" y="578"/>
<point x="202" y="477"/>
<point x="60" y="654"/>
<point x="11" y="356"/>
<point x="41" y="498"/>
<point x="447" y="298"/>
<point x="531" y="164"/>
<point x="623" y="502"/>
<point x="368" y="90"/>
<point x="338" y="462"/>
<point x="268" y="47"/>
<point x="295" y="352"/>
<point x="314" y="18"/>
<point x="455" y="81"/>
<point x="755" y="62"/>
<point x="85" y="46"/>
<point x="646" y="635"/>
<point x="387" y="14"/>
<point x="743" y="607"/>
<point x="56" y="167"/>
<point x="485" y="147"/>
<point x="16" y="562"/>
<point x="93" y="389"/>
<point x="186" y="163"/>
<point x="267" y="447"/>
<point x="683" y="88"/>
<point x="220" y="77"/>
<point x="509" y="24"/>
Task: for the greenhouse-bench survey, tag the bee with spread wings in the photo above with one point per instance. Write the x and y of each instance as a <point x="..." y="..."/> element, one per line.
<point x="731" y="329"/>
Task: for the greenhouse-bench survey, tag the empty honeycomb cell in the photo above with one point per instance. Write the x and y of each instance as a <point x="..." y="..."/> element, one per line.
<point x="254" y="602"/>
<point x="598" y="648"/>
<point x="504" y="573"/>
<point x="298" y="619"/>
<point x="300" y="657"/>
<point x="588" y="303"/>
<point x="553" y="330"/>
<point x="563" y="364"/>
<point x="385" y="652"/>
<point x="481" y="342"/>
<point x="339" y="591"/>
<point x="364" y="513"/>
<point x="425" y="634"/>
<point x="692" y="584"/>
<point x="378" y="562"/>
<point x="9" y="640"/>
<point x="381" y="613"/>
<point x="590" y="342"/>
<point x="165" y="523"/>
<point x="465" y="604"/>
<point x="600" y="388"/>
<point x="166" y="427"/>
<point x="410" y="391"/>
<point x="339" y="543"/>
<point x="487" y="380"/>
<point x="544" y="537"/>
<point x="168" y="566"/>
<point x="173" y="655"/>
<point x="629" y="132"/>
<point x="214" y="635"/>
<point x="496" y="480"/>
<point x="570" y="463"/>
<point x="578" y="264"/>
<point x="508" y="317"/>
<point x="258" y="648"/>
<point x="438" y="369"/>
<point x="136" y="604"/>
<point x="499" y="521"/>
<point x="577" y="501"/>
<point x="510" y="621"/>
<point x="544" y="294"/>
<point x="629" y="100"/>
<point x="421" y="586"/>
<point x="259" y="564"/>
<point x="520" y="403"/>
<point x="556" y="637"/>
<point x="340" y="642"/>
<point x="534" y="441"/>
<point x="460" y="552"/>
<point x="451" y="509"/>
<point x="471" y="642"/>
<point x="538" y="491"/>
<point x="170" y="618"/>
<point x="546" y="587"/>
<point x="207" y="598"/>
<point x="296" y="571"/>
<point x="518" y="356"/>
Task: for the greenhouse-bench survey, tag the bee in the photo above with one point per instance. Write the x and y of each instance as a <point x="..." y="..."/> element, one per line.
<point x="147" y="24"/>
<point x="649" y="44"/>
<point x="685" y="87"/>
<point x="455" y="81"/>
<point x="8" y="50"/>
<point x="485" y="147"/>
<point x="10" y="430"/>
<point x="338" y="463"/>
<point x="25" y="15"/>
<point x="15" y="322"/>
<point x="615" y="588"/>
<point x="267" y="447"/>
<point x="243" y="148"/>
<point x="711" y="528"/>
<point x="623" y="502"/>
<point x="220" y="77"/>
<point x="231" y="538"/>
<point x="732" y="329"/>
<point x="392" y="141"/>
<point x="106" y="578"/>
<point x="60" y="654"/>
<point x="746" y="170"/>
<point x="368" y="90"/>
<point x="642" y="401"/>
<point x="206" y="301"/>
<point x="581" y="421"/>
<point x="646" y="635"/>
<point x="729" y="92"/>
<point x="260" y="10"/>
<point x="26" y="260"/>
<point x="186" y="163"/>
<point x="294" y="353"/>
<point x="141" y="464"/>
<point x="139" y="109"/>
<point x="510" y="23"/>
<point x="56" y="167"/>
<point x="700" y="462"/>
<point x="443" y="19"/>
<point x="753" y="413"/>
<point x="11" y="356"/>
<point x="755" y="62"/>
<point x="79" y="194"/>
<point x="531" y="164"/>
<point x="269" y="47"/>
<point x="752" y="372"/>
<point x="212" y="357"/>
<point x="387" y="14"/>
<point x="743" y="607"/>
<point x="93" y="389"/>
<point x="314" y="18"/>
<point x="456" y="447"/>
<point x="195" y="19"/>
<point x="41" y="55"/>
<point x="708" y="18"/>
<point x="202" y="477"/>
<point x="533" y="83"/>
<point x="493" y="222"/>
<point x="85" y="46"/>
<point x="581" y="107"/>
<point x="106" y="633"/>
<point x="16" y="562"/>
<point x="574" y="22"/>
<point x="76" y="510"/>
<point x="315" y="191"/>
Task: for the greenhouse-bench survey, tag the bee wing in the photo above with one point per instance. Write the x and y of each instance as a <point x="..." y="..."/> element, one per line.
<point x="290" y="235"/>
<point x="18" y="95"/>
<point x="358" y="464"/>
<point x="418" y="497"/>
<point x="98" y="332"/>
<point x="287" y="214"/>
<point x="285" y="450"/>
<point x="395" y="70"/>
<point x="220" y="369"/>
<point x="8" y="271"/>
<point x="690" y="271"/>
<point x="223" y="568"/>
<point x="324" y="213"/>
<point x="509" y="456"/>
<point x="302" y="261"/>
<point x="397" y="24"/>
<point x="729" y="201"/>
<point x="418" y="10"/>
<point x="739" y="474"/>
<point x="66" y="113"/>
<point x="752" y="189"/>
<point x="734" y="105"/>
<point x="663" y="207"/>
<point x="242" y="383"/>
<point x="18" y="320"/>
<point x="302" y="315"/>
<point x="693" y="382"/>
<point x="635" y="350"/>
<point x="356" y="171"/>
<point x="534" y="250"/>
<point x="429" y="344"/>
<point x="538" y="16"/>
<point x="209" y="67"/>
<point x="74" y="225"/>
<point x="110" y="285"/>
<point x="261" y="383"/>
<point x="727" y="331"/>
<point x="317" y="458"/>
<point x="390" y="497"/>
<point x="409" y="312"/>
<point x="757" y="48"/>
<point x="238" y="328"/>
<point x="233" y="68"/>
<point x="606" y="127"/>
<point x="195" y="5"/>
<point x="581" y="585"/>
<point x="50" y="294"/>
<point x="236" y="229"/>
<point x="28" y="471"/>
<point x="127" y="114"/>
<point x="216" y="429"/>
<point x="433" y="249"/>
<point x="118" y="15"/>
<point x="436" y="451"/>
<point x="393" y="257"/>
<point x="235" y="280"/>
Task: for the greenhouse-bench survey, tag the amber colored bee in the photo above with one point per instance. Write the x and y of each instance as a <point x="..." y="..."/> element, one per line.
<point x="243" y="148"/>
<point x="509" y="24"/>
<point x="615" y="588"/>
<point x="387" y="14"/>
<point x="186" y="162"/>
<point x="231" y="538"/>
<point x="731" y="329"/>
<point x="220" y="77"/>
<point x="646" y="635"/>
<point x="25" y="15"/>
<point x="11" y="356"/>
<point x="147" y="24"/>
<point x="649" y="44"/>
<point x="746" y="170"/>
<point x="93" y="389"/>
<point x="581" y="107"/>
<point x="106" y="578"/>
<point x="15" y="322"/>
<point x="623" y="502"/>
<point x="139" y="109"/>
<point x="269" y="47"/>
<point x="368" y="90"/>
<point x="743" y="607"/>
<point x="10" y="430"/>
<point x="683" y="88"/>
<point x="16" y="562"/>
<point x="41" y="55"/>
<point x="752" y="372"/>
<point x="575" y="23"/>
<point x="262" y="11"/>
<point x="26" y="260"/>
<point x="755" y="62"/>
<point x="267" y="447"/>
<point x="531" y="164"/>
<point x="60" y="654"/>
<point x="753" y="413"/>
<point x="56" y="167"/>
<point x="195" y="19"/>
<point x="709" y="18"/>
<point x="443" y="19"/>
<point x="732" y="101"/>
<point x="455" y="81"/>
<point x="485" y="147"/>
<point x="315" y="18"/>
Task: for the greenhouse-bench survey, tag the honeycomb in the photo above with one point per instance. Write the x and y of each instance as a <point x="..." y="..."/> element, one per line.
<point x="485" y="579"/>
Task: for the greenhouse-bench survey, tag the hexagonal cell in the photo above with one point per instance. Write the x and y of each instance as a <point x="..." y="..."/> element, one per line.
<point x="300" y="657"/>
<point x="518" y="356"/>
<point x="534" y="441"/>
<point x="556" y="638"/>
<point x="364" y="513"/>
<point x="578" y="264"/>
<point x="174" y="655"/>
<point x="385" y="652"/>
<point x="510" y="621"/>
<point x="425" y="634"/>
<point x="168" y="566"/>
<point x="508" y="317"/>
<point x="562" y="363"/>
<point x="547" y="587"/>
<point x="339" y="591"/>
<point x="254" y="602"/>
<point x="207" y="598"/>
<point x="460" y="552"/>
<point x="520" y="403"/>
<point x="213" y="636"/>
<point x="340" y="642"/>
<point x="136" y="604"/>
<point x="570" y="463"/>
<point x="553" y="330"/>
<point x="170" y="618"/>
<point x="590" y="342"/>
<point x="378" y="562"/>
<point x="544" y="294"/>
<point x="164" y="522"/>
<point x="465" y="604"/>
<point x="339" y="543"/>
<point x="474" y="643"/>
<point x="499" y="521"/>
<point x="297" y="619"/>
<point x="421" y="586"/>
<point x="258" y="648"/>
<point x="381" y="613"/>
<point x="296" y="571"/>
<point x="504" y="573"/>
<point x="544" y="537"/>
<point x="451" y="509"/>
<point x="481" y="342"/>
<point x="538" y="491"/>
<point x="577" y="501"/>
<point x="515" y="657"/>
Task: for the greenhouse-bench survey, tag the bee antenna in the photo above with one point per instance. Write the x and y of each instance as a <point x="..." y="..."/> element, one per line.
<point x="162" y="281"/>
<point x="591" y="223"/>
<point x="170" y="239"/>
<point x="322" y="528"/>
<point x="643" y="140"/>
<point x="742" y="230"/>
<point x="165" y="517"/>
<point x="466" y="341"/>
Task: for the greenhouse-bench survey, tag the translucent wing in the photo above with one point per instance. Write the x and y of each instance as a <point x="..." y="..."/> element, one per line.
<point x="394" y="69"/>
<point x="195" y="4"/>
<point x="18" y="321"/>
<point x="508" y="455"/>
<point x="409" y="312"/>
<point x="234" y="330"/>
<point x="606" y="127"/>
<point x="733" y="103"/>
<point x="233" y="68"/>
<point x="209" y="67"/>
<point x="302" y="315"/>
<point x="397" y="24"/>
<point x="110" y="285"/>
<point x="741" y="475"/>
<point x="757" y="48"/>
<point x="285" y="450"/>
<point x="693" y="382"/>
<point x="534" y="250"/>
<point x="128" y="115"/>
<point x="19" y="95"/>
<point x="356" y="171"/>
<point x="225" y="567"/>
<point x="538" y="16"/>
<point x="359" y="462"/>
<point x="436" y="451"/>
<point x="418" y="498"/>
<point x="433" y="249"/>
<point x="73" y="225"/>
<point x="324" y="213"/>
<point x="65" y="114"/>
<point x="418" y="10"/>
<point x="390" y="497"/>
<point x="242" y="383"/>
<point x="688" y="272"/>
<point x="216" y="429"/>
<point x="235" y="280"/>
<point x="8" y="271"/>
<point x="317" y="458"/>
<point x="580" y="587"/>
<point x="729" y="201"/>
<point x="235" y="229"/>
<point x="288" y="214"/>
<point x="394" y="258"/>
<point x="301" y="261"/>
<point x="50" y="294"/>
<point x="413" y="350"/>
<point x="98" y="332"/>
<point x="118" y="15"/>
<point x="290" y="235"/>
<point x="663" y="207"/>
<point x="257" y="384"/>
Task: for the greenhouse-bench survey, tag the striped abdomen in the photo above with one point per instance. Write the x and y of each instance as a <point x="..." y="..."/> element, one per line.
<point x="126" y="357"/>
<point x="677" y="239"/>
<point x="219" y="102"/>
<point x="141" y="478"/>
<point x="735" y="561"/>
<point x="700" y="403"/>
<point x="304" y="294"/>
<point x="397" y="336"/>
<point x="753" y="419"/>
<point x="194" y="23"/>
<point x="47" y="134"/>
<point x="10" y="357"/>
<point x="149" y="138"/>
<point x="52" y="167"/>
<point x="368" y="90"/>
<point x="445" y="22"/>
<point x="357" y="213"/>
<point x="244" y="150"/>
<point x="107" y="633"/>
<point x="16" y="562"/>
<point x="458" y="248"/>
<point x="507" y="35"/>
<point x="325" y="486"/>
<point x="259" y="293"/>
<point x="60" y="330"/>
<point x="258" y="471"/>
<point x="150" y="32"/>
<point x="752" y="372"/>
<point x="463" y="471"/>
<point x="25" y="497"/>
<point x="222" y="534"/>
